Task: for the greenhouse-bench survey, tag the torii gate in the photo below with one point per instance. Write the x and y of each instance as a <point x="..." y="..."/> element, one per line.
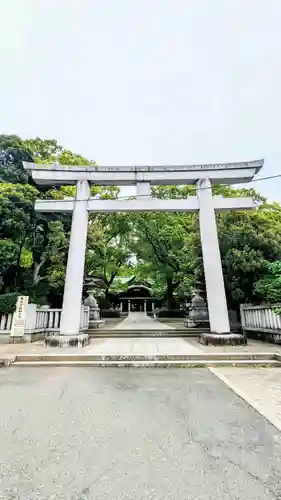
<point x="203" y="176"/>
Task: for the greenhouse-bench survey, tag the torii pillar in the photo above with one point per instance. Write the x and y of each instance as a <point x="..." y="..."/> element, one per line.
<point x="217" y="306"/>
<point x="73" y="287"/>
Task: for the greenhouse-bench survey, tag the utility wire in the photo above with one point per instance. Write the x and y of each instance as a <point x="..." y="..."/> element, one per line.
<point x="73" y="199"/>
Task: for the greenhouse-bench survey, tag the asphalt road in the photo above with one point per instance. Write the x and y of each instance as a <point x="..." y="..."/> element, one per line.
<point x="132" y="434"/>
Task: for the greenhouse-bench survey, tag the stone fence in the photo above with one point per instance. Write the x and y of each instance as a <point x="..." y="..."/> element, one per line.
<point x="40" y="321"/>
<point x="262" y="320"/>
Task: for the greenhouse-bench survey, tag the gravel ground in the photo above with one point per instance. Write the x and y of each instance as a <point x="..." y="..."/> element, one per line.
<point x="132" y="434"/>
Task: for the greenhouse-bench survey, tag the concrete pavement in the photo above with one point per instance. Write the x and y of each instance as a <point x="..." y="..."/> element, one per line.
<point x="260" y="387"/>
<point x="137" y="320"/>
<point x="129" y="434"/>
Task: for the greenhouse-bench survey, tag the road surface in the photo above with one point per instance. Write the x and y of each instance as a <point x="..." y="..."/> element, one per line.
<point x="132" y="434"/>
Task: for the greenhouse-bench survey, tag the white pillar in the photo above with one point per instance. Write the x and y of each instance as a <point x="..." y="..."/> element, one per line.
<point x="121" y="306"/>
<point x="143" y="190"/>
<point x="71" y="309"/>
<point x="218" y="313"/>
<point x="144" y="306"/>
<point x="152" y="306"/>
<point x="129" y="306"/>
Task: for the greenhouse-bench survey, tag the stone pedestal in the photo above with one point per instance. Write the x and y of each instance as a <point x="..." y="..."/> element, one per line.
<point x="198" y="313"/>
<point x="80" y="340"/>
<point x="223" y="339"/>
<point x="94" y="320"/>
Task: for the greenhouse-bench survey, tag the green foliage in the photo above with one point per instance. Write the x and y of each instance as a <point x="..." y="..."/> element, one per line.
<point x="12" y="154"/>
<point x="43" y="150"/>
<point x="268" y="288"/>
<point x="108" y="247"/>
<point x="8" y="303"/>
<point x="167" y="246"/>
<point x="33" y="247"/>
<point x="160" y="248"/>
<point x="249" y="242"/>
<point x="8" y="254"/>
<point x="170" y="249"/>
<point x="16" y="209"/>
<point x="49" y="151"/>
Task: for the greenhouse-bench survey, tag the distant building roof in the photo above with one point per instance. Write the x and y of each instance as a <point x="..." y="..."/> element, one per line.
<point x="120" y="281"/>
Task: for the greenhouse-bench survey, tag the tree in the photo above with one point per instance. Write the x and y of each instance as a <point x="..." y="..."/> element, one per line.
<point x="108" y="248"/>
<point x="43" y="150"/>
<point x="14" y="150"/>
<point x="249" y="241"/>
<point x="166" y="243"/>
<point x="16" y="223"/>
<point x="12" y="154"/>
<point x="268" y="288"/>
<point x="34" y="246"/>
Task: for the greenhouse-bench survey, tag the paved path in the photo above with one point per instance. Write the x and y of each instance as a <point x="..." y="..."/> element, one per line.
<point x="136" y="345"/>
<point x="132" y="434"/>
<point x="140" y="320"/>
<point x="155" y="345"/>
<point x="118" y="346"/>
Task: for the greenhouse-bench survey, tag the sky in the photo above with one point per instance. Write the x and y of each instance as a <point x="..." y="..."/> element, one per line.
<point x="146" y="81"/>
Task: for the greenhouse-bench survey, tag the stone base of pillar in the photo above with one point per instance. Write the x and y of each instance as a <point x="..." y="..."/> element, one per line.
<point x="222" y="339"/>
<point x="80" y="340"/>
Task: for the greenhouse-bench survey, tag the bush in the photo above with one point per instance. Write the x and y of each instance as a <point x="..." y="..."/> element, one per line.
<point x="8" y="302"/>
<point x="171" y="313"/>
<point x="108" y="313"/>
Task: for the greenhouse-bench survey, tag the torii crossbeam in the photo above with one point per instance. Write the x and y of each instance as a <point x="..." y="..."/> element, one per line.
<point x="201" y="175"/>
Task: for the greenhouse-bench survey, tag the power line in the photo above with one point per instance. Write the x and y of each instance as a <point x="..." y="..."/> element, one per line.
<point x="73" y="199"/>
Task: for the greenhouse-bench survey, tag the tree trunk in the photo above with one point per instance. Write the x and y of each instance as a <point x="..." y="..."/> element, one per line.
<point x="170" y="293"/>
<point x="18" y="260"/>
<point x="106" y="298"/>
<point x="36" y="270"/>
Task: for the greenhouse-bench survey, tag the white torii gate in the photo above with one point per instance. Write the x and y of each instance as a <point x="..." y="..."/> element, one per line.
<point x="201" y="175"/>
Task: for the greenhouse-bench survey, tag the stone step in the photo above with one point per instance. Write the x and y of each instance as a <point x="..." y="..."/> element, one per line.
<point x="142" y="333"/>
<point x="149" y="335"/>
<point x="152" y="364"/>
<point x="87" y="357"/>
